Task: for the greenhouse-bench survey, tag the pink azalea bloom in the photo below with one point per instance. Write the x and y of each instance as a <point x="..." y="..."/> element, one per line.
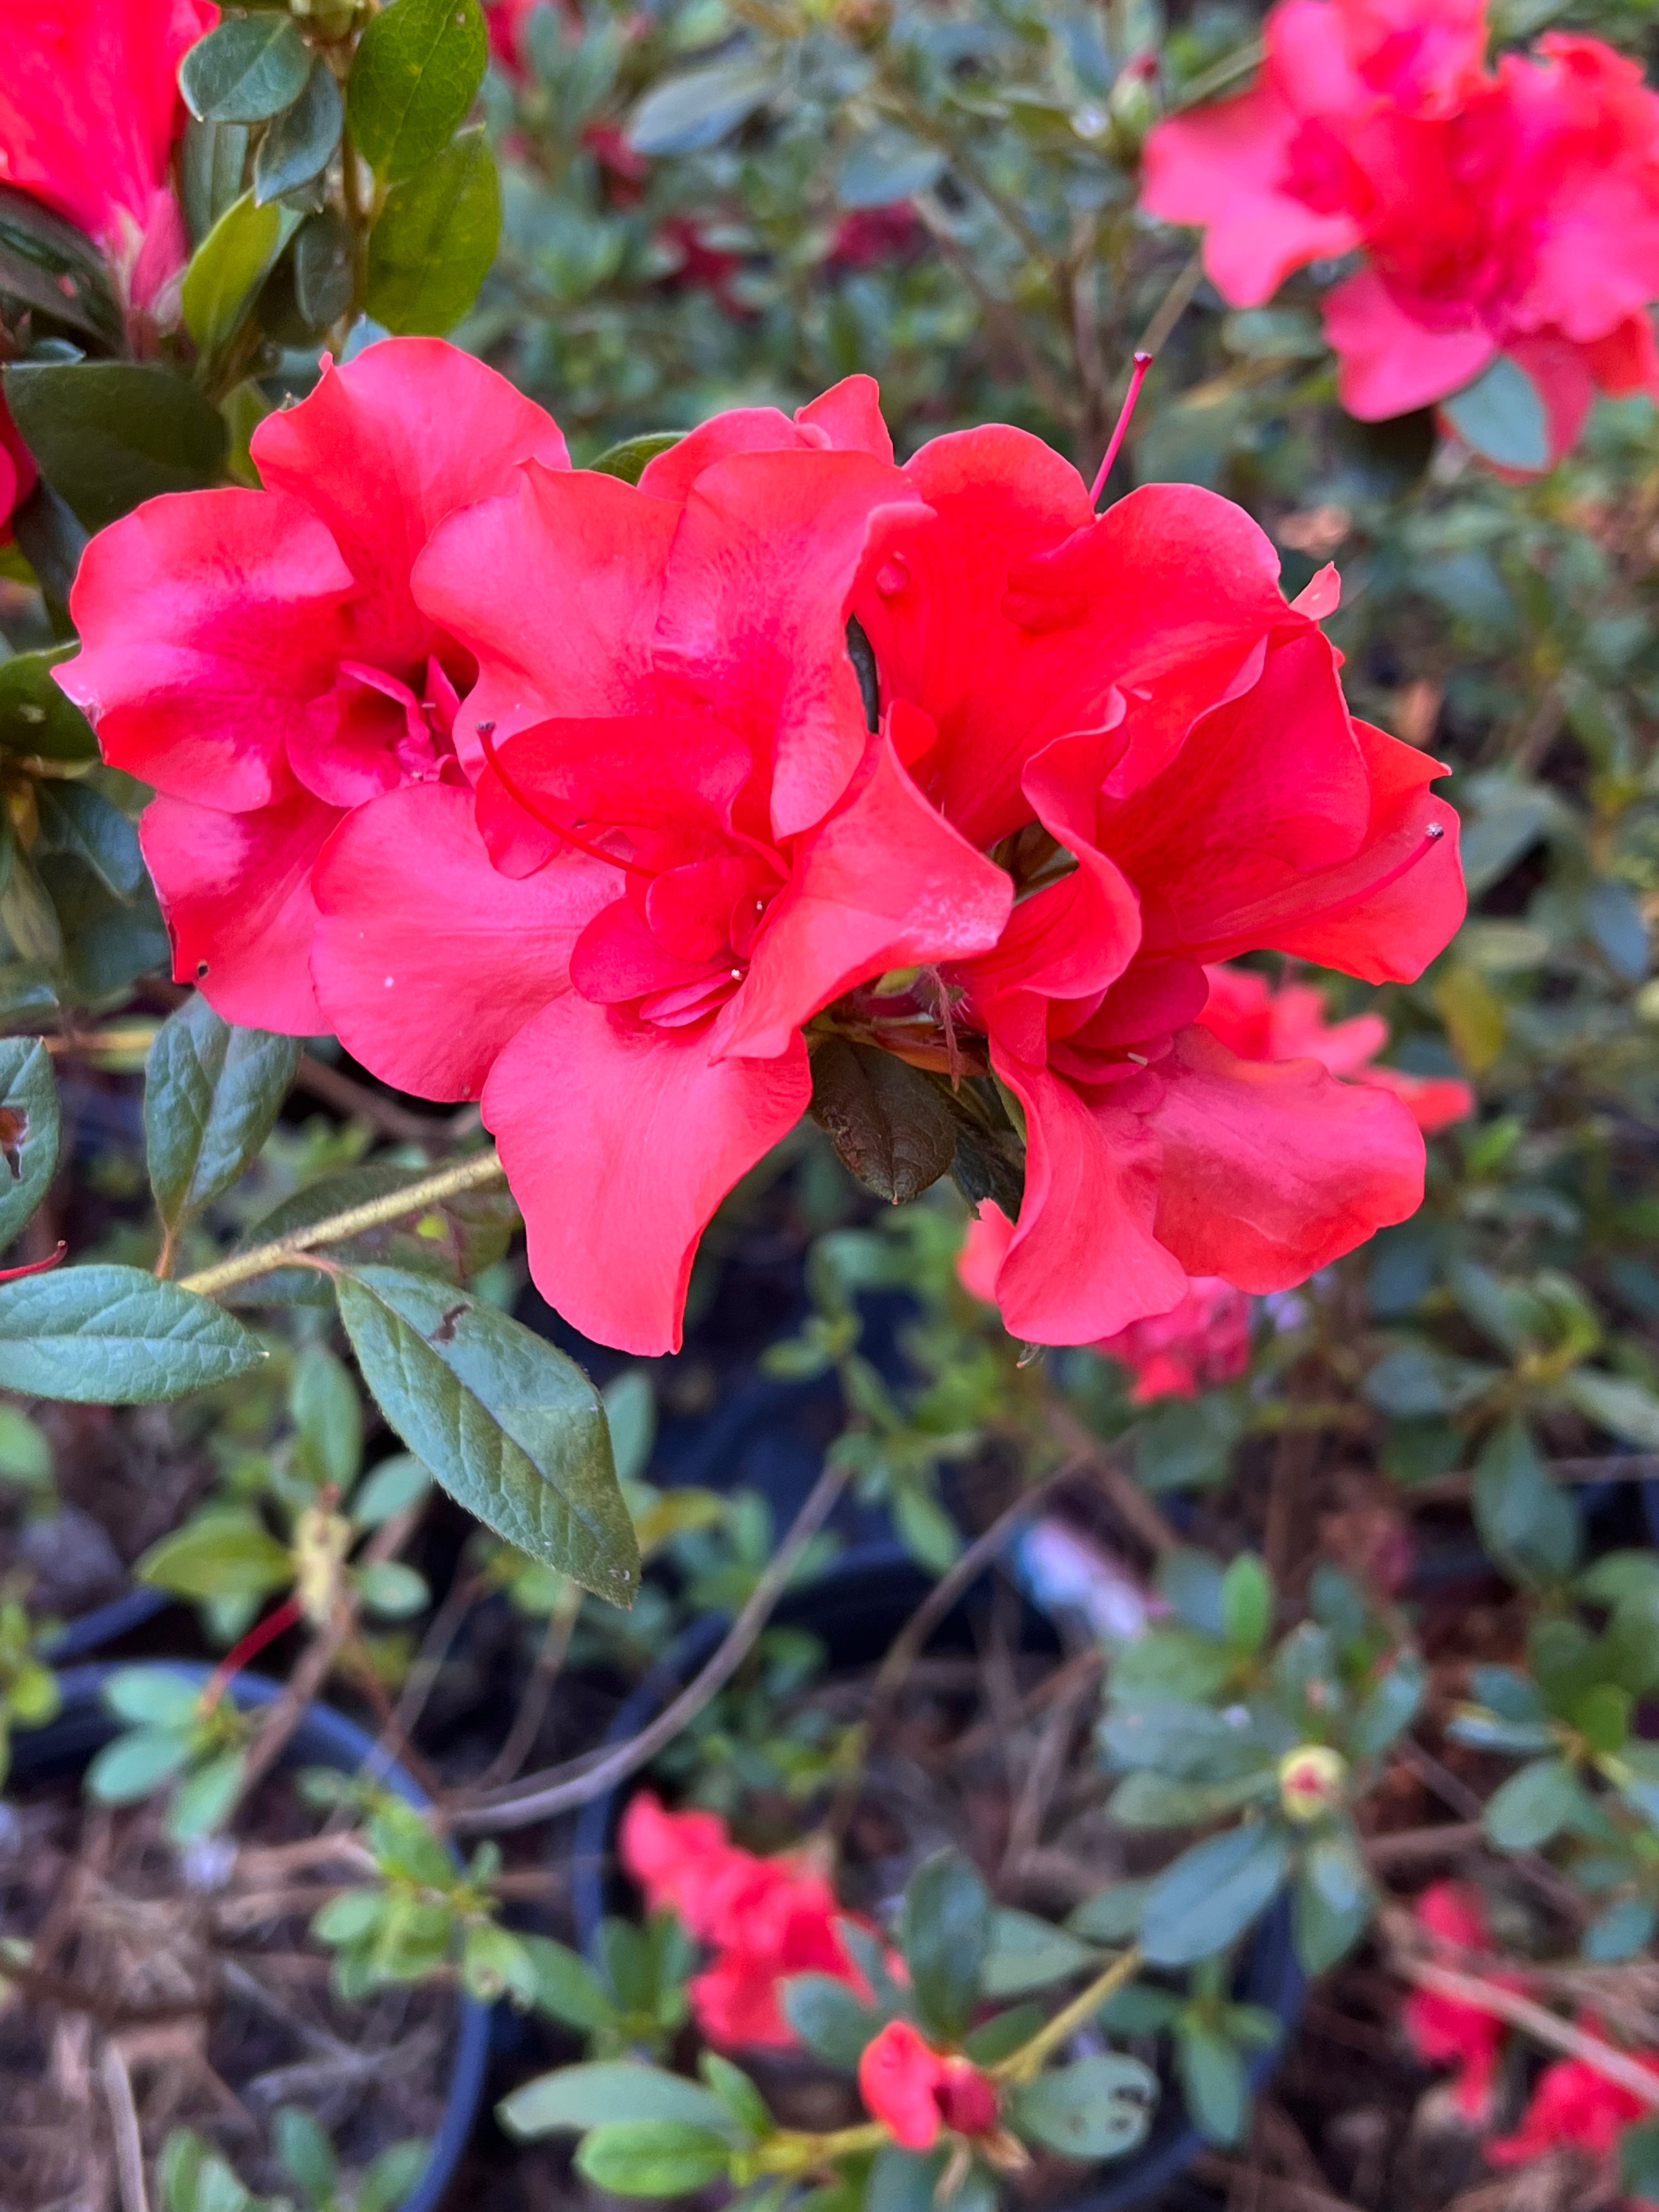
<point x="258" y="658"/>
<point x="90" y="109"/>
<point x="916" y="2091"/>
<point x="1445" y="2030"/>
<point x="1511" y="211"/>
<point x="1574" y="2104"/>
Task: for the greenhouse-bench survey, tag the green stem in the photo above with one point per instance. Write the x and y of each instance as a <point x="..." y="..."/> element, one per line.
<point x="1024" y="2065"/>
<point x="243" y="1266"/>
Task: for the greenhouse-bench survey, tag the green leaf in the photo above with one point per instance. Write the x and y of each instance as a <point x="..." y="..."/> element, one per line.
<point x="1157" y="1800"/>
<point x="417" y="68"/>
<point x="212" y="1094"/>
<point x="696" y="108"/>
<point x="213" y="158"/>
<point x="394" y="1486"/>
<point x="629" y="458"/>
<point x="567" y="1987"/>
<point x="1623" y="1408"/>
<point x="1112" y="1915"/>
<point x="512" y="1428"/>
<point x="28" y="1130"/>
<point x="222" y="1554"/>
<point x="630" y="1412"/>
<point x="77" y="820"/>
<point x="299" y="145"/>
<point x="110" y="434"/>
<point x="205" y="1799"/>
<point x="1502" y="416"/>
<point x="115" y="1336"/>
<point x="47" y="264"/>
<point x="1389" y="1707"/>
<point x="1535" y="1803"/>
<point x="324" y="269"/>
<point x="435" y="238"/>
<point x="607" y="2091"/>
<point x="252" y="67"/>
<point x="828" y="2018"/>
<point x="26" y="1456"/>
<point x="135" y="1765"/>
<point x="154" y="1697"/>
<point x="1638" y="2159"/>
<point x="1331" y="1904"/>
<point x="652" y="2158"/>
<point x="1214" y="2082"/>
<point x="745" y="2107"/>
<point x="228" y="267"/>
<point x="391" y="1589"/>
<point x="1620" y="1930"/>
<point x="37" y="717"/>
<point x="1097" y="2107"/>
<point x="471" y="1232"/>
<point x="1247" y="1603"/>
<point x="325" y="1407"/>
<point x="1183" y="1445"/>
<point x="1525" y="1519"/>
<point x="390" y="2178"/>
<point x="890" y="1125"/>
<point x="885" y="166"/>
<point x="945" y="1933"/>
<point x="304" y="2152"/>
<point x="1027" y="1953"/>
<point x="1211" y="1893"/>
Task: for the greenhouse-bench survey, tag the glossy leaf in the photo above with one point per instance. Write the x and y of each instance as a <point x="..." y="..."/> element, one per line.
<point x="435" y="240"/>
<point x="512" y="1428"/>
<point x="301" y="145"/>
<point x="106" y="1335"/>
<point x="417" y="68"/>
<point x="77" y="820"/>
<point x="50" y="266"/>
<point x="945" y="1932"/>
<point x="652" y="2158"/>
<point x="37" y="717"/>
<point x="628" y="460"/>
<point x="28" y="1130"/>
<point x="889" y="1125"/>
<point x="228" y="267"/>
<point x="212" y="1094"/>
<point x="109" y="433"/>
<point x="252" y="67"/>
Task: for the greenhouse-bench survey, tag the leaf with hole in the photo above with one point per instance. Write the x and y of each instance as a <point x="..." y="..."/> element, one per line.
<point x="1097" y="2107"/>
<point x="512" y="1428"/>
<point x="28" y="1130"/>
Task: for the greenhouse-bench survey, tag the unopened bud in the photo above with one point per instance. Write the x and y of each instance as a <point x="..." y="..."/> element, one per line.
<point x="1312" y="1779"/>
<point x="321" y="1541"/>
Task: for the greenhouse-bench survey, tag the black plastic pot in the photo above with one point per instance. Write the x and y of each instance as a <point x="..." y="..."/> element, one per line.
<point x="324" y="1738"/>
<point x="858" y="1608"/>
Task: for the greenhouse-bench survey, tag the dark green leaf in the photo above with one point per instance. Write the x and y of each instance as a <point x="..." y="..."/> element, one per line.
<point x="1638" y="2160"/>
<point x="567" y="1987"/>
<point x="1332" y="1902"/>
<point x="885" y="165"/>
<point x="115" y="1336"/>
<point x="324" y="264"/>
<point x="252" y="67"/>
<point x="417" y="68"/>
<point x="213" y="162"/>
<point x="945" y="1932"/>
<point x="37" y="718"/>
<point x="652" y="2158"/>
<point x="1111" y="1915"/>
<point x="1187" y="1742"/>
<point x="1620" y="1930"/>
<point x="745" y="2107"/>
<point x="456" y="1239"/>
<point x="1389" y="1707"/>
<point x="212" y="1094"/>
<point x="1027" y="1953"/>
<point x="576" y="2098"/>
<point x="1214" y="2082"/>
<point x="510" y="1427"/>
<point x="1535" y="1804"/>
<point x="699" y="106"/>
<point x="1097" y="2107"/>
<point x="889" y="1125"/>
<point x="77" y="820"/>
<point x="1525" y="1518"/>
<point x="1502" y="416"/>
<point x="435" y="238"/>
<point x="828" y="2018"/>
<point x="1247" y="1603"/>
<point x="228" y="267"/>
<point x="110" y="434"/>
<point x="47" y="264"/>
<point x="1211" y="1893"/>
<point x="28" y="1130"/>
<point x="220" y="1554"/>
<point x="628" y="460"/>
<point x="299" y="145"/>
<point x="28" y="916"/>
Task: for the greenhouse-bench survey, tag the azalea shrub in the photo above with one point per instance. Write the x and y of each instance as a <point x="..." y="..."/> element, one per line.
<point x="1016" y="643"/>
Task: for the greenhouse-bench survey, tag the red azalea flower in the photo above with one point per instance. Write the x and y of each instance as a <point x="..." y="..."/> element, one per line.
<point x="1513" y="212"/>
<point x="765" y="1918"/>
<point x="89" y="108"/>
<point x="1445" y="2030"/>
<point x="746" y="848"/>
<point x="257" y="656"/>
<point x="1203" y="1340"/>
<point x="869" y="236"/>
<point x="1128" y="713"/>
<point x="1572" y="2103"/>
<point x="916" y="2091"/>
<point x="1258" y="1023"/>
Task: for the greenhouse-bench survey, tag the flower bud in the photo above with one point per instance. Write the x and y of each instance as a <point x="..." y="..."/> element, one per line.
<point x="1311" y="1781"/>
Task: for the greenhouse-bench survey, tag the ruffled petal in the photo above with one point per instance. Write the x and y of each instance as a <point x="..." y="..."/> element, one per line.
<point x="426" y="959"/>
<point x="619" y="1141"/>
<point x="1387" y="363"/>
<point x="1271" y="1168"/>
<point x="236" y="890"/>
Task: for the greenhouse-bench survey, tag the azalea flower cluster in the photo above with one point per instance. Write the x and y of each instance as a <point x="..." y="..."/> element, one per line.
<point x="607" y="804"/>
<point x="1507" y="210"/>
<point x="1205" y="1339"/>
<point x="89" y="110"/>
<point x="1571" y="2105"/>
<point x="763" y="1919"/>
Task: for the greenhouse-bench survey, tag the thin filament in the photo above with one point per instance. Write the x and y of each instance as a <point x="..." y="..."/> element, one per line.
<point x="516" y="792"/>
<point x="1137" y="377"/>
